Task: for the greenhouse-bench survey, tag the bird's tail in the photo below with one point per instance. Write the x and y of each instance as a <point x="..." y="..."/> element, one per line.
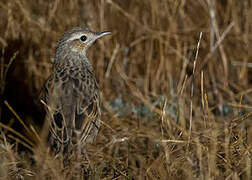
<point x="68" y="113"/>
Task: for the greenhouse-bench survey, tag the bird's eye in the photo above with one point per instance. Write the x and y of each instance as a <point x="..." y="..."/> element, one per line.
<point x="83" y="38"/>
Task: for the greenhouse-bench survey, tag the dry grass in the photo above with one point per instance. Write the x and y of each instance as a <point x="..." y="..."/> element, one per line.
<point x="175" y="106"/>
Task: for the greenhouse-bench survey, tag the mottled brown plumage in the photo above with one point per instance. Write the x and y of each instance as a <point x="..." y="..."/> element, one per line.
<point x="72" y="93"/>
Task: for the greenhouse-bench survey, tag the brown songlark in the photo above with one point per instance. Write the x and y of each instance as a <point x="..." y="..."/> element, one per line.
<point x="72" y="93"/>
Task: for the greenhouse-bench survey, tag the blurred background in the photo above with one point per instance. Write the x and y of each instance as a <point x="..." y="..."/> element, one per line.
<point x="175" y="76"/>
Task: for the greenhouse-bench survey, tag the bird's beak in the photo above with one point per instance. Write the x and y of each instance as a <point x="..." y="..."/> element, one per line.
<point x="101" y="34"/>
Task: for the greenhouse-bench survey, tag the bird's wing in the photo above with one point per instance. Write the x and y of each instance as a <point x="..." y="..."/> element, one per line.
<point x="87" y="120"/>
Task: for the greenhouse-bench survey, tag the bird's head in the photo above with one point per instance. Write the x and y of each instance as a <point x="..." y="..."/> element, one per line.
<point x="78" y="40"/>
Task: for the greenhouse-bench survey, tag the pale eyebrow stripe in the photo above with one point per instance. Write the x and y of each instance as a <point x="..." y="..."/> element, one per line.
<point x="75" y="36"/>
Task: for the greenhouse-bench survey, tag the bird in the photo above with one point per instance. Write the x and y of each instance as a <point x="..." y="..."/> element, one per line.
<point x="71" y="93"/>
